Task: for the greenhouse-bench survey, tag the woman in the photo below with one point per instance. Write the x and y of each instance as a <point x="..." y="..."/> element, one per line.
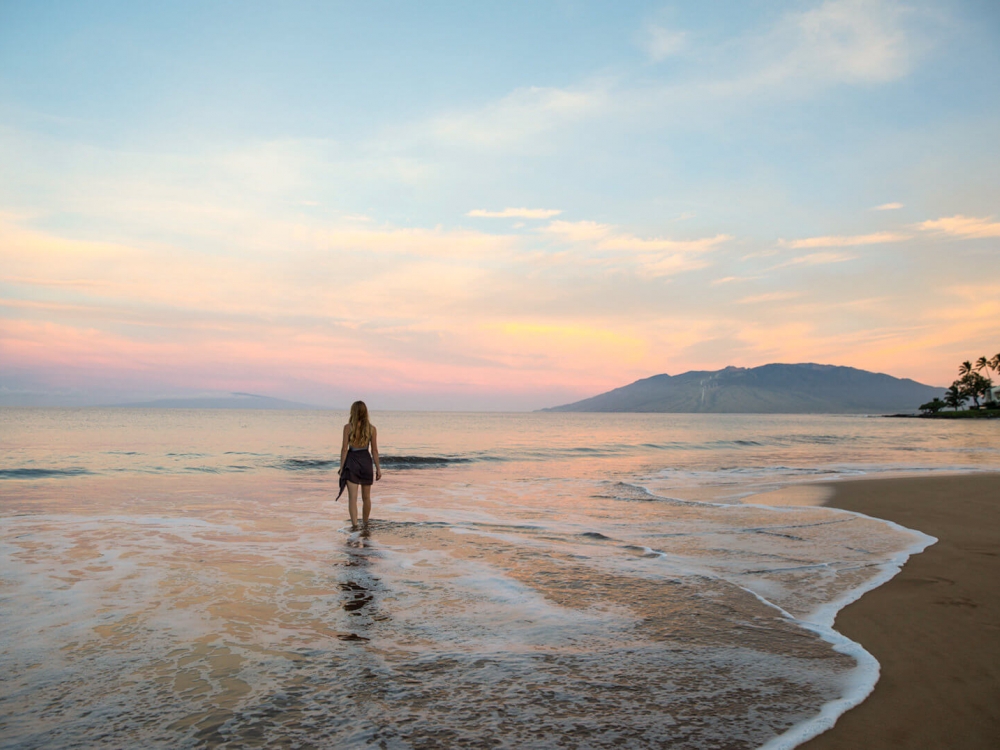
<point x="356" y="462"/>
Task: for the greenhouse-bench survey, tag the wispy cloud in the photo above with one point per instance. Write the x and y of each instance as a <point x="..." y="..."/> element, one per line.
<point x="847" y="40"/>
<point x="887" y="207"/>
<point x="608" y="237"/>
<point x="963" y="226"/>
<point x="859" y="42"/>
<point x="876" y="238"/>
<point x="531" y="339"/>
<point x="523" y="114"/>
<point x="816" y="259"/>
<point x="521" y="213"/>
<point x="659" y="42"/>
<point x="651" y="256"/>
<point x="579" y="231"/>
<point x="769" y="297"/>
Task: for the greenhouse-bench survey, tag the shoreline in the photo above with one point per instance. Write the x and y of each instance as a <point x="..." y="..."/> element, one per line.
<point x="980" y="414"/>
<point x="935" y="627"/>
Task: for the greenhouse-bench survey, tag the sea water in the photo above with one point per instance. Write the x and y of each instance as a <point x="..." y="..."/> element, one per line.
<point x="185" y="578"/>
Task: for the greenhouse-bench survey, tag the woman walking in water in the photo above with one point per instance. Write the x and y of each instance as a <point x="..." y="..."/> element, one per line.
<point x="356" y="462"/>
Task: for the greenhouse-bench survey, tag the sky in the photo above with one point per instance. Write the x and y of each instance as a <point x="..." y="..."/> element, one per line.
<point x="490" y="205"/>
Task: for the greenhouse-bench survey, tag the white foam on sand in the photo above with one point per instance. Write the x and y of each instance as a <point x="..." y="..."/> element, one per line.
<point x="862" y="680"/>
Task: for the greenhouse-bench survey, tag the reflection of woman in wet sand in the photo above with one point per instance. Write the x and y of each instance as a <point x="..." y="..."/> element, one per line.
<point x="356" y="462"/>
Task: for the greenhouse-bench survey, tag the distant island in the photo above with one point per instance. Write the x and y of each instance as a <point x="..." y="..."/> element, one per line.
<point x="230" y="401"/>
<point x="769" y="389"/>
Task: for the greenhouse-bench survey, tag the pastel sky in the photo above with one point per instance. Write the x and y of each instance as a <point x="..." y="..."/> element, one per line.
<point x="490" y="205"/>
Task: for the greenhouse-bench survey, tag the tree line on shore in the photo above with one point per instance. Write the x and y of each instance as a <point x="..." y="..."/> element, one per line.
<point x="971" y="384"/>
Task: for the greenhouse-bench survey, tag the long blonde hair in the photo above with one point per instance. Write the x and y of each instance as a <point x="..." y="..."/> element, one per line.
<point x="360" y="434"/>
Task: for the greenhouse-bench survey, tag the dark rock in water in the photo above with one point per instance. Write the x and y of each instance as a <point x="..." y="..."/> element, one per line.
<point x="769" y="389"/>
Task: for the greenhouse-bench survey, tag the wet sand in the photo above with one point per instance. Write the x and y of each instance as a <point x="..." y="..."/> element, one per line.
<point x="935" y="627"/>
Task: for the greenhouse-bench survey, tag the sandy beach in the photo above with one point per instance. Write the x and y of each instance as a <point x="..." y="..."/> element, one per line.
<point x="934" y="628"/>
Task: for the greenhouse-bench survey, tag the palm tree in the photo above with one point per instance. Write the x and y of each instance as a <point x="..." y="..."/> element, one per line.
<point x="965" y="368"/>
<point x="973" y="385"/>
<point x="982" y="364"/>
<point x="995" y="363"/>
<point x="954" y="396"/>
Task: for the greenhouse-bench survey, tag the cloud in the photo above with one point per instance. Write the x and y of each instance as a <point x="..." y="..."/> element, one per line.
<point x="659" y="43"/>
<point x="887" y="207"/>
<point x="858" y="42"/>
<point x="876" y="238"/>
<point x="769" y="297"/>
<point x="607" y="237"/>
<point x="653" y="257"/>
<point x="531" y="339"/>
<point x="572" y="305"/>
<point x="631" y="242"/>
<point x="522" y="213"/>
<point x="816" y="259"/>
<point x="422" y="307"/>
<point x="963" y="226"/>
<point x="968" y="316"/>
<point x="846" y="40"/>
<point x="579" y="231"/>
<point x="767" y="252"/>
<point x="524" y="114"/>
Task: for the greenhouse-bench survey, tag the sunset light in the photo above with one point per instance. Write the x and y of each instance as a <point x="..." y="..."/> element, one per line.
<point x="194" y="202"/>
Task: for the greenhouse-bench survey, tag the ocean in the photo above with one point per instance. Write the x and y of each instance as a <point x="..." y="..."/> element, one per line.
<point x="185" y="578"/>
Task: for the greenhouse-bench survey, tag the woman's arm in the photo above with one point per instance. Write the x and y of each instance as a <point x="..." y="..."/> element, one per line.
<point x="343" y="448"/>
<point x="378" y="468"/>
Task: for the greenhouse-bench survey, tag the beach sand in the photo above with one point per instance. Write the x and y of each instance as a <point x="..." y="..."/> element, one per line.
<point x="935" y="627"/>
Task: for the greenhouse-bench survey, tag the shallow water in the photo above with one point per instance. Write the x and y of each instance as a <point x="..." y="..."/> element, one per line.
<point x="184" y="578"/>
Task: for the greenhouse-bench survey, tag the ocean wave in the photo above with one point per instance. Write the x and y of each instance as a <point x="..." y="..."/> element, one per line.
<point x="414" y="462"/>
<point x="633" y="493"/>
<point x="309" y="464"/>
<point x="28" y="473"/>
<point x="762" y="441"/>
<point x="392" y="462"/>
<point x="817" y="439"/>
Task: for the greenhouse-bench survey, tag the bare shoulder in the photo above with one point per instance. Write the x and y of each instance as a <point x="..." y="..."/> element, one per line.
<point x="347" y="428"/>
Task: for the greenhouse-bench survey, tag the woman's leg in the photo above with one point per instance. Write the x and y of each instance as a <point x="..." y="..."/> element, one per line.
<point x="352" y="502"/>
<point x="366" y="500"/>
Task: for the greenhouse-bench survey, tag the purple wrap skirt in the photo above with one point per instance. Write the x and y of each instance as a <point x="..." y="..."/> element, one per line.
<point x="357" y="468"/>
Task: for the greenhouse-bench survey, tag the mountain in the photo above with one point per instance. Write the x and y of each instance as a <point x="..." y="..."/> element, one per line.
<point x="769" y="389"/>
<point x="232" y="401"/>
